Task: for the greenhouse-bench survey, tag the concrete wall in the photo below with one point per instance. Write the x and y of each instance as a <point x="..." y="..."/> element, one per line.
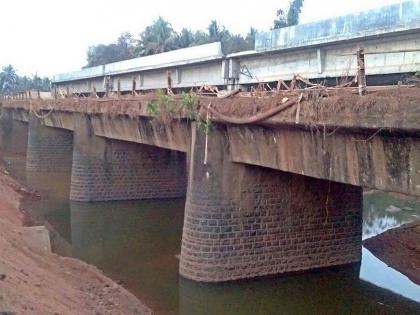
<point x="397" y="54"/>
<point x="105" y="169"/>
<point x="245" y="221"/>
<point x="389" y="162"/>
<point x="380" y="21"/>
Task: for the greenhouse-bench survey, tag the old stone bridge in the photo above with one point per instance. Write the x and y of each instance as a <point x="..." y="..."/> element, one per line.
<point x="278" y="196"/>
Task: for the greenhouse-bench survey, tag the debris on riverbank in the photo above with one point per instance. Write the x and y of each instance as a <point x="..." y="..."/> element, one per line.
<point x="34" y="282"/>
<point x="399" y="248"/>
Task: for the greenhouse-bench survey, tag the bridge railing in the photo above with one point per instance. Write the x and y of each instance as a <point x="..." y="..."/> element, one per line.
<point x="27" y="94"/>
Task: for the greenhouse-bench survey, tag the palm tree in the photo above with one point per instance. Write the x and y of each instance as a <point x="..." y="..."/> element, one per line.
<point x="217" y="33"/>
<point x="156" y="38"/>
<point x="184" y="39"/>
<point x="8" y="79"/>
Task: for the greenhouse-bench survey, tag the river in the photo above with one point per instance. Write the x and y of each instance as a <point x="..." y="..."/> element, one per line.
<point x="136" y="243"/>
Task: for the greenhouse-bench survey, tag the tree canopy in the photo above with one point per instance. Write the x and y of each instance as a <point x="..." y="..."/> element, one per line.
<point x="289" y="17"/>
<point x="161" y="37"/>
<point x="11" y="82"/>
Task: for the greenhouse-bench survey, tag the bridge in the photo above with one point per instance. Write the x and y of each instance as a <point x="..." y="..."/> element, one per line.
<point x="273" y="178"/>
<point x="323" y="50"/>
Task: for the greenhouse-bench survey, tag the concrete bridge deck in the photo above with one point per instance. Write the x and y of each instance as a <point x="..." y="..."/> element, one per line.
<point x="278" y="195"/>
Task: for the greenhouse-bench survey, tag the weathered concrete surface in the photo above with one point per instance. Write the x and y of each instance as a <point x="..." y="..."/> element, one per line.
<point x="384" y="161"/>
<point x="388" y="19"/>
<point x="173" y="135"/>
<point x="244" y="221"/>
<point x="383" y="56"/>
<point x="193" y="66"/>
<point x="59" y="119"/>
<point x="105" y="169"/>
<point x="49" y="149"/>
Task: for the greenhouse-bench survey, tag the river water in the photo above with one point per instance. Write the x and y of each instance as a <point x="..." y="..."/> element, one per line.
<point x="136" y="243"/>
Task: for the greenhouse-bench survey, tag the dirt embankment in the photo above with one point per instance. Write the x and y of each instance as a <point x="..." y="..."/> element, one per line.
<point x="399" y="248"/>
<point x="32" y="282"/>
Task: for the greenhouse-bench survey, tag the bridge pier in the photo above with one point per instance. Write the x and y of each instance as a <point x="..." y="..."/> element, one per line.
<point x="49" y="149"/>
<point x="106" y="169"/>
<point x="244" y="221"/>
<point x="13" y="133"/>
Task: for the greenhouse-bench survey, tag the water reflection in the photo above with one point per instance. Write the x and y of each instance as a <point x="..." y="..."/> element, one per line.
<point x="331" y="291"/>
<point x="376" y="218"/>
<point x="137" y="242"/>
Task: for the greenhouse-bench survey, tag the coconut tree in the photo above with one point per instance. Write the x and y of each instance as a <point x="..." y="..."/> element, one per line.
<point x="156" y="38"/>
<point x="8" y="79"/>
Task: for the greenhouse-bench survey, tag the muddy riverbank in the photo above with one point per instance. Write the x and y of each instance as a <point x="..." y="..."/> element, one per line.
<point x="39" y="282"/>
<point x="399" y="248"/>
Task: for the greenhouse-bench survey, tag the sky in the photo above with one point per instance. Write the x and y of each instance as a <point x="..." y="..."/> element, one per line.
<point x="47" y="37"/>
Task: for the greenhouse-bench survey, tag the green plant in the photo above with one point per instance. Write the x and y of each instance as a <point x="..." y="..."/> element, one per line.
<point x="189" y="101"/>
<point x="204" y="126"/>
<point x="165" y="102"/>
<point x="153" y="108"/>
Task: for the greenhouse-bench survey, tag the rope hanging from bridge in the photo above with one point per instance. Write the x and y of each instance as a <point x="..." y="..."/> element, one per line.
<point x="40" y="116"/>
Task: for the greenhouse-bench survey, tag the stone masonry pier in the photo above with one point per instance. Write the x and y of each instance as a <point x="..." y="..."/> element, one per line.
<point x="243" y="221"/>
<point x="49" y="149"/>
<point x="278" y="196"/>
<point x="108" y="169"/>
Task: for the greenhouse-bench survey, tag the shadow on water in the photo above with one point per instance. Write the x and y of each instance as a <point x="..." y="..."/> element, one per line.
<point x="136" y="243"/>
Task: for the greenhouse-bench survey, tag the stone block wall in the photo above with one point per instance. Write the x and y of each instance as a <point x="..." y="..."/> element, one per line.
<point x="244" y="221"/>
<point x="49" y="149"/>
<point x="13" y="133"/>
<point x="106" y="169"/>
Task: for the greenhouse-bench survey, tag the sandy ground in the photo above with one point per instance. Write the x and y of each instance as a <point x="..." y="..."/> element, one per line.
<point x="35" y="283"/>
<point x="399" y="248"/>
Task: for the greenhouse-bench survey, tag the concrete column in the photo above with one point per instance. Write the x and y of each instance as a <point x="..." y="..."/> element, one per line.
<point x="13" y="133"/>
<point x="49" y="149"/>
<point x="244" y="221"/>
<point x="107" y="169"/>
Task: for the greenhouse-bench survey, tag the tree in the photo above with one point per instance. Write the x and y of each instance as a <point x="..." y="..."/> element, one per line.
<point x="291" y="17"/>
<point x="294" y="12"/>
<point x="122" y="49"/>
<point x="281" y="20"/>
<point x="250" y="38"/>
<point x="217" y="33"/>
<point x="184" y="39"/>
<point x="160" y="37"/>
<point x="201" y="38"/>
<point x="235" y="44"/>
<point x="156" y="38"/>
<point x="8" y="79"/>
<point x="11" y="82"/>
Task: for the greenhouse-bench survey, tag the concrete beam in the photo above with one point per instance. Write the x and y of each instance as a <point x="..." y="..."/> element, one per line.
<point x="384" y="161"/>
<point x="173" y="135"/>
